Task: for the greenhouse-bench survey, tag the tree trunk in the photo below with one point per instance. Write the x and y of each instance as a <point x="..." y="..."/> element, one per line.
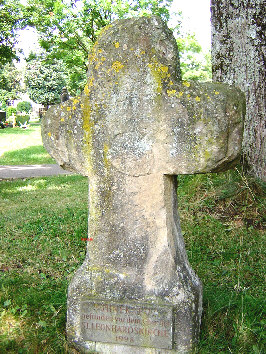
<point x="238" y="57"/>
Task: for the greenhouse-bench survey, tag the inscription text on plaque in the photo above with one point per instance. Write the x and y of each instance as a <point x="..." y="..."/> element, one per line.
<point x="132" y="324"/>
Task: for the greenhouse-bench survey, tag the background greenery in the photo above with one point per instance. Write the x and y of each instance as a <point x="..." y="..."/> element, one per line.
<point x="42" y="222"/>
<point x="67" y="30"/>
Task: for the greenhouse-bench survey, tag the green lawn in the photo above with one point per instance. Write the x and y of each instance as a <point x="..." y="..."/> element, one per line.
<point x="42" y="221"/>
<point x="23" y="146"/>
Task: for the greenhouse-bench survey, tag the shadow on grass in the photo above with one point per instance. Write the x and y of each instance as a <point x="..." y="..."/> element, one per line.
<point x="27" y="156"/>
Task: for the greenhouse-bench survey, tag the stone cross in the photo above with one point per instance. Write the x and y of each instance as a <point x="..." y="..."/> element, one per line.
<point x="135" y="128"/>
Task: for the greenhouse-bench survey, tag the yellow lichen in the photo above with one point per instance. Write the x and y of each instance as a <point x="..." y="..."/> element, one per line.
<point x="157" y="76"/>
<point x="88" y="128"/>
<point x="171" y="93"/>
<point x="87" y="90"/>
<point x="163" y="68"/>
<point x="98" y="65"/>
<point x="105" y="156"/>
<point x="207" y="155"/>
<point x="160" y="68"/>
<point x="104" y="29"/>
<point x="117" y="66"/>
<point x="75" y="101"/>
<point x="90" y="84"/>
<point x="159" y="72"/>
<point x="91" y="58"/>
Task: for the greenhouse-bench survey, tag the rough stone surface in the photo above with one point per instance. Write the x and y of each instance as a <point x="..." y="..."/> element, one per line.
<point x="136" y="127"/>
<point x="238" y="58"/>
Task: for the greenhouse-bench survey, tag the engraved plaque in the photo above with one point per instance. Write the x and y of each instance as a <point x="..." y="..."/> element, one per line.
<point x="140" y="325"/>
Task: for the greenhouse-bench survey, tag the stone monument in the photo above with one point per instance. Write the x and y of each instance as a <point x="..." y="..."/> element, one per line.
<point x="135" y="128"/>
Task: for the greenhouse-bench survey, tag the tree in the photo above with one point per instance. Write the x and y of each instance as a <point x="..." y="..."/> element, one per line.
<point x="69" y="28"/>
<point x="10" y="78"/>
<point x="13" y="17"/>
<point x="44" y="81"/>
<point x="194" y="63"/>
<point x="24" y="106"/>
<point x="238" y="57"/>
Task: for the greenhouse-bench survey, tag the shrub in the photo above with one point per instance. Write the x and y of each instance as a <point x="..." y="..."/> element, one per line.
<point x="22" y="119"/>
<point x="24" y="106"/>
<point x="10" y="111"/>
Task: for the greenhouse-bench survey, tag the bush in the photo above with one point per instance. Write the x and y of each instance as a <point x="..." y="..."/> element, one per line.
<point x="22" y="119"/>
<point x="10" y="111"/>
<point x="24" y="106"/>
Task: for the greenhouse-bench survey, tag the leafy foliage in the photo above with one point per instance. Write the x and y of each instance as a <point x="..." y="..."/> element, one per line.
<point x="195" y="65"/>
<point x="22" y="119"/>
<point x="44" y="81"/>
<point x="24" y="106"/>
<point x="13" y="17"/>
<point x="68" y="29"/>
<point x="10" y="78"/>
<point x="10" y="111"/>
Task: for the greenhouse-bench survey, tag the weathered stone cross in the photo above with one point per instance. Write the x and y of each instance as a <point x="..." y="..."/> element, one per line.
<point x="136" y="127"/>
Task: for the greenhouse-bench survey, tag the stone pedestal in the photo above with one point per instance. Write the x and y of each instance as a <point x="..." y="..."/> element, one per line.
<point x="132" y="131"/>
<point x="136" y="289"/>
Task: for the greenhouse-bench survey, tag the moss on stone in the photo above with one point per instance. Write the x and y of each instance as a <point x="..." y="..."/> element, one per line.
<point x="159" y="73"/>
<point x="88" y="128"/>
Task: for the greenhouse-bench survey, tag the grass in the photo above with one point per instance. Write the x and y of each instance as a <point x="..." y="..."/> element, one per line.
<point x="41" y="231"/>
<point x="23" y="146"/>
<point x="223" y="220"/>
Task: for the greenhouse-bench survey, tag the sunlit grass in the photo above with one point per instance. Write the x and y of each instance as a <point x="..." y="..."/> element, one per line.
<point x="41" y="246"/>
<point x="23" y="146"/>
